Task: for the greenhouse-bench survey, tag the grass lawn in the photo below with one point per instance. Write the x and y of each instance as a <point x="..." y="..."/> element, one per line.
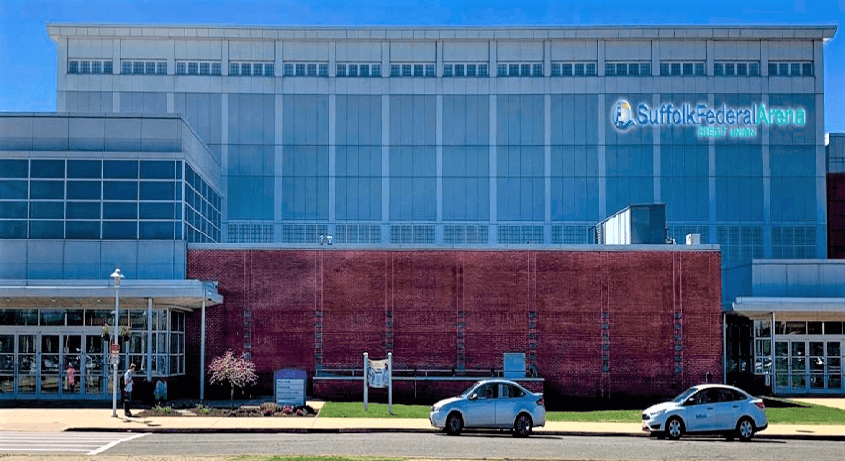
<point x="374" y="410"/>
<point x="321" y="458"/>
<point x="806" y="414"/>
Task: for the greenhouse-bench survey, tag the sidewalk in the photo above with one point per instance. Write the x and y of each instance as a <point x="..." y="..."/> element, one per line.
<point x="54" y="420"/>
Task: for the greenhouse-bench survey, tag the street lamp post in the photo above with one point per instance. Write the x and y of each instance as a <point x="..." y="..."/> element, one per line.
<point x="116" y="276"/>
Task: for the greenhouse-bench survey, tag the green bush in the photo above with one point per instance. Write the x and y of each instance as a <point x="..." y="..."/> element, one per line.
<point x="162" y="410"/>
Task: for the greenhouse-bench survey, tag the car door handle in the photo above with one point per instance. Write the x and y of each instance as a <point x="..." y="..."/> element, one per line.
<point x="735" y="406"/>
<point x="710" y="408"/>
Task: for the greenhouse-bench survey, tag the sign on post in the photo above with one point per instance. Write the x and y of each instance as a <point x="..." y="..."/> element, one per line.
<point x="289" y="387"/>
<point x="379" y="374"/>
<point x="114" y="357"/>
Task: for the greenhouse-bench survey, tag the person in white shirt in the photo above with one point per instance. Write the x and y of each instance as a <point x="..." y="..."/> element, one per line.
<point x="127" y="390"/>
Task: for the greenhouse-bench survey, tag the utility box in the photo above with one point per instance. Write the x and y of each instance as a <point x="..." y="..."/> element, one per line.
<point x="514" y="365"/>
<point x="289" y="387"/>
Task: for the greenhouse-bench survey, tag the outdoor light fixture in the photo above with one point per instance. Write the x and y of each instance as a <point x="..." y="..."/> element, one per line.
<point x="321" y="239"/>
<point x="116" y="276"/>
<point x="329" y="239"/>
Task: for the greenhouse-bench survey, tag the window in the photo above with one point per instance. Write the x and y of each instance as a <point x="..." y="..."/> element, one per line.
<point x="513" y="70"/>
<point x="150" y="68"/>
<point x="126" y="67"/>
<point x="73" y="67"/>
<point x="609" y="69"/>
<point x="537" y="70"/>
<point x="418" y="70"/>
<point x="579" y="70"/>
<point x="341" y="70"/>
<point x="634" y="69"/>
<point x="773" y="69"/>
<point x="699" y="69"/>
<point x="591" y="69"/>
<point x="502" y="70"/>
<point x="525" y="69"/>
<point x="783" y="69"/>
<point x="300" y="70"/>
<point x="288" y="70"/>
<point x="324" y="70"/>
<point x="181" y="68"/>
<point x="459" y="70"/>
<point x="394" y="70"/>
<point x="447" y="70"/>
<point x="675" y="68"/>
<point x="482" y="70"/>
<point x="138" y="67"/>
<point x="257" y="69"/>
<point x="664" y="69"/>
<point x="312" y="70"/>
<point x="406" y="70"/>
<point x="193" y="68"/>
<point x="471" y="70"/>
<point x="365" y="70"/>
<point x="376" y="70"/>
<point x="754" y="69"/>
<point x="353" y="70"/>
<point x="729" y="69"/>
<point x="796" y="68"/>
<point x="86" y="67"/>
<point x="246" y="69"/>
<point x="807" y="69"/>
<point x="622" y="69"/>
<point x="429" y="70"/>
<point x="205" y="69"/>
<point x="96" y="67"/>
<point x="107" y="67"/>
<point x="161" y="68"/>
<point x="741" y="69"/>
<point x="216" y="68"/>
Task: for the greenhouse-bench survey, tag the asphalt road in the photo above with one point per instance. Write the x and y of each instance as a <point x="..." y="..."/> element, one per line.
<point x="477" y="446"/>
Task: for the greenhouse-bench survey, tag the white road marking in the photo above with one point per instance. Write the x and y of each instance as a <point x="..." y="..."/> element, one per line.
<point x="90" y="443"/>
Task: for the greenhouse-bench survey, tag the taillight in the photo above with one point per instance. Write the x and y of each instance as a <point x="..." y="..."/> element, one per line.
<point x="760" y="404"/>
<point x="541" y="402"/>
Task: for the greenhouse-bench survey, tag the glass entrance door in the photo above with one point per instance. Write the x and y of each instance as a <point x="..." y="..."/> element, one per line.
<point x="49" y="360"/>
<point x="71" y="364"/>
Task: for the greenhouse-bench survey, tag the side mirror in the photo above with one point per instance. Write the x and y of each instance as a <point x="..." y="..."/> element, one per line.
<point x="474" y="396"/>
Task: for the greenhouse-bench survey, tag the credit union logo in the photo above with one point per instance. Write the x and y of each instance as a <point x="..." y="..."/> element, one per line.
<point x="708" y="121"/>
<point x="623" y="115"/>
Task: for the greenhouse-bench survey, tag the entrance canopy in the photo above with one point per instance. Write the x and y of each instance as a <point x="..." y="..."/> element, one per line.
<point x="180" y="294"/>
<point x="788" y="308"/>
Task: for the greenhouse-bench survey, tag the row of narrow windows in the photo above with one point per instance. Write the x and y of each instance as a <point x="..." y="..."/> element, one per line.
<point x="515" y="69"/>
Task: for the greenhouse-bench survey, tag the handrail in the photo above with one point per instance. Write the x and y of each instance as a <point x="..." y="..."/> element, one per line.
<point x="416" y="372"/>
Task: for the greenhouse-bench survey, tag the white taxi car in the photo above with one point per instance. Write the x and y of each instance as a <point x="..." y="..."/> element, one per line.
<point x="708" y="408"/>
<point x="492" y="404"/>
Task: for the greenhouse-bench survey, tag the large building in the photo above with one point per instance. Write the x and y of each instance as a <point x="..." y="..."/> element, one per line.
<point x="456" y="138"/>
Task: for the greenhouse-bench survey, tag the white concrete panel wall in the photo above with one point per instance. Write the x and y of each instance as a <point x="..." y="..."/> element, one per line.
<point x="580" y="50"/>
<point x="358" y="51"/>
<point x="198" y="49"/>
<point x="254" y="50"/>
<point x="683" y="50"/>
<point x="413" y="52"/>
<point x="520" y="51"/>
<point x="736" y="50"/>
<point x="466" y="51"/>
<point x="144" y="49"/>
<point x="90" y="48"/>
<point x="303" y="51"/>
<point x="636" y="50"/>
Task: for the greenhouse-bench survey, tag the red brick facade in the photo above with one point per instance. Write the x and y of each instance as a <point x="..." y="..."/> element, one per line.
<point x="594" y="324"/>
<point x="836" y="215"/>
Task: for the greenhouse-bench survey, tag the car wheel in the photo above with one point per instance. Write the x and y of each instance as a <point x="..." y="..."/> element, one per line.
<point x="454" y="424"/>
<point x="522" y="425"/>
<point x="745" y="429"/>
<point x="674" y="428"/>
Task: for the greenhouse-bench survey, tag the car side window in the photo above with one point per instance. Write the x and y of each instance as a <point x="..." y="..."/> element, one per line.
<point x="487" y="391"/>
<point x="696" y="399"/>
<point x="504" y="391"/>
<point x="516" y="392"/>
<point x="727" y="395"/>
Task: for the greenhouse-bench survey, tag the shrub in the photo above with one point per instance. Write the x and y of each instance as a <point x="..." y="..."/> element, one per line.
<point x="203" y="409"/>
<point x="269" y="408"/>
<point x="299" y="412"/>
<point x="287" y="410"/>
<point x="161" y="409"/>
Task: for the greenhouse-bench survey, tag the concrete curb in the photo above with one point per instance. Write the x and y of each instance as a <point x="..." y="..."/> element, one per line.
<point x="352" y="430"/>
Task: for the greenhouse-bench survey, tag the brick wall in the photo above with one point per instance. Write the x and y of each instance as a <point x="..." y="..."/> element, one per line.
<point x="595" y="324"/>
<point x="836" y="215"/>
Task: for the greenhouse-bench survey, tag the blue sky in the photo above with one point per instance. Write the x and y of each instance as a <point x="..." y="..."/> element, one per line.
<point x="28" y="57"/>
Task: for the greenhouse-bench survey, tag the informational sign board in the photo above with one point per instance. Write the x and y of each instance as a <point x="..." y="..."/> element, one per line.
<point x="289" y="387"/>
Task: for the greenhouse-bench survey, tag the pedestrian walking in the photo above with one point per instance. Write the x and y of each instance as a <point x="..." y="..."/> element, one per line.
<point x="71" y="377"/>
<point x="127" y="390"/>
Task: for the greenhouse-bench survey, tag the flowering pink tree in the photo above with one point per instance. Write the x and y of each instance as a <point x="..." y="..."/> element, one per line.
<point x="234" y="370"/>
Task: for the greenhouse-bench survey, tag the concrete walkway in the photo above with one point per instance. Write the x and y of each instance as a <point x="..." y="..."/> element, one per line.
<point x="54" y="420"/>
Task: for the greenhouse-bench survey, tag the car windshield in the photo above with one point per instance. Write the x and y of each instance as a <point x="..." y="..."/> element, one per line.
<point x="685" y="395"/>
<point x="467" y="391"/>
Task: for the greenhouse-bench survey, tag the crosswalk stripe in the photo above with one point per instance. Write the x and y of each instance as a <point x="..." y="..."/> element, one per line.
<point x="106" y="447"/>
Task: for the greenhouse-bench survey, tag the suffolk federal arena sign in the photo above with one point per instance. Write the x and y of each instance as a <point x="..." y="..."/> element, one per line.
<point x="709" y="122"/>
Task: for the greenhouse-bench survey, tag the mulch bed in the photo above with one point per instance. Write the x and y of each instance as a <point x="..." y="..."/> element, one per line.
<point x="247" y="412"/>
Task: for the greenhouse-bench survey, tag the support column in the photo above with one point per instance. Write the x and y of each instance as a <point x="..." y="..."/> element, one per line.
<point x="438" y="188"/>
<point x="547" y="165"/>
<point x="202" y="353"/>
<point x="767" y="189"/>
<point x="711" y="183"/>
<point x="332" y="156"/>
<point x="602" y="152"/>
<point x="278" y="168"/>
<point x="149" y="339"/>
<point x="224" y="160"/>
<point x="385" y="168"/>
<point x="493" y="232"/>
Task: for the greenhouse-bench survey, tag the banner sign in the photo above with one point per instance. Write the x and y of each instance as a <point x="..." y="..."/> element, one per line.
<point x="377" y="373"/>
<point x="708" y="121"/>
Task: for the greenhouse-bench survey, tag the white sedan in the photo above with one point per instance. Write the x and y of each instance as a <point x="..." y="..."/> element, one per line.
<point x="495" y="403"/>
<point x="708" y="408"/>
